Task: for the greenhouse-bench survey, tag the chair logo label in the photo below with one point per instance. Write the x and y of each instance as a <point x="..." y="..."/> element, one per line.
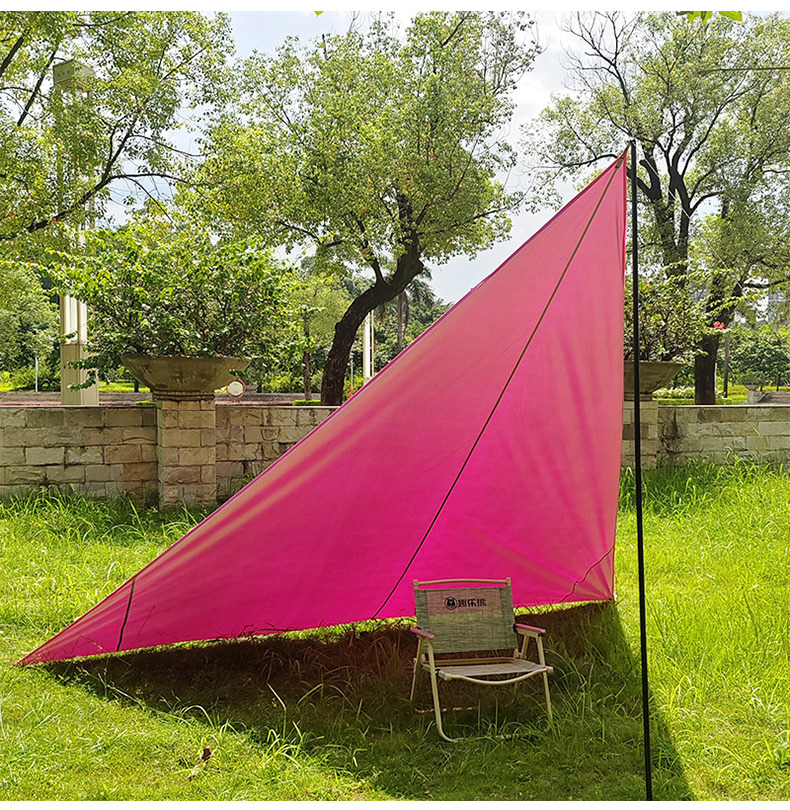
<point x="451" y="603"/>
<point x="464" y="600"/>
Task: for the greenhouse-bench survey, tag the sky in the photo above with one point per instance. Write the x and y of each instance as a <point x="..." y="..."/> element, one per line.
<point x="266" y="30"/>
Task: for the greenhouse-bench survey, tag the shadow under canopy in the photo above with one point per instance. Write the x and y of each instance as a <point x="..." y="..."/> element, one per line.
<point x="342" y="695"/>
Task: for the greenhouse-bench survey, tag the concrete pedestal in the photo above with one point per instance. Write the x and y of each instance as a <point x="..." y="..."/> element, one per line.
<point x="186" y="452"/>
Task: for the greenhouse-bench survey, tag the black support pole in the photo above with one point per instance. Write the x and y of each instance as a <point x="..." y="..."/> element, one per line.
<point x="640" y="537"/>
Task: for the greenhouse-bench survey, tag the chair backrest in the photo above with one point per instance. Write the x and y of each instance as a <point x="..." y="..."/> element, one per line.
<point x="469" y="614"/>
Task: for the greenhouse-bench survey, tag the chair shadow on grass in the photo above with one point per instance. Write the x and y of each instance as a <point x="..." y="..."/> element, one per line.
<point x="342" y="694"/>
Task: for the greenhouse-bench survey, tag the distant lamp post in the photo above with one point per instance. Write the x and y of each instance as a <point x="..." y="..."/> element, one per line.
<point x="73" y="76"/>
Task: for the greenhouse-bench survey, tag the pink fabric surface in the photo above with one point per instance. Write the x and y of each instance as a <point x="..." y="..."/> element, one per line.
<point x="489" y="448"/>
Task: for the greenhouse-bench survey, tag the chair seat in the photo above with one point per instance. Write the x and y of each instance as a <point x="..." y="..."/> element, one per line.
<point x="466" y="671"/>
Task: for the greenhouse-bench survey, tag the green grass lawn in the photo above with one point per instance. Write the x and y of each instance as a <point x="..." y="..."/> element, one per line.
<point x="123" y="385"/>
<point x="326" y="716"/>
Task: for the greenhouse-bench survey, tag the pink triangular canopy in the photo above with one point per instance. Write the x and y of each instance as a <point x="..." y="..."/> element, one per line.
<point x="489" y="448"/>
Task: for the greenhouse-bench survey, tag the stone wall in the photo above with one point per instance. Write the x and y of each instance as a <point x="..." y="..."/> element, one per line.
<point x="250" y="438"/>
<point x="112" y="450"/>
<point x="99" y="451"/>
<point x="186" y="452"/>
<point x="717" y="433"/>
<point x="648" y="416"/>
<point x="198" y="452"/>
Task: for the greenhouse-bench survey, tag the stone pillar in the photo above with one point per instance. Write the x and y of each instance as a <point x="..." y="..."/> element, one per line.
<point x="186" y="451"/>
<point x="649" y="418"/>
<point x="74" y="323"/>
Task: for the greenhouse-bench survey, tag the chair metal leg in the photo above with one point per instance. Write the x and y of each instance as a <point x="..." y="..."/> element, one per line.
<point x="437" y="708"/>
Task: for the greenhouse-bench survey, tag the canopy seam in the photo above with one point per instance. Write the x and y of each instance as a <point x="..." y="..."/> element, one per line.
<point x="617" y="165"/>
<point x="126" y="615"/>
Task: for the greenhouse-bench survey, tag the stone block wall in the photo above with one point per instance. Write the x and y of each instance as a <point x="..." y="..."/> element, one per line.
<point x="719" y="433"/>
<point x="186" y="452"/>
<point x="249" y="439"/>
<point x="648" y="417"/>
<point x="104" y="452"/>
<point x="197" y="451"/>
<point x="191" y="454"/>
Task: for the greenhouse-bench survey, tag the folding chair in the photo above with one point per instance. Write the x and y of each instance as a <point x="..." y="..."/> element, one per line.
<point x="477" y="619"/>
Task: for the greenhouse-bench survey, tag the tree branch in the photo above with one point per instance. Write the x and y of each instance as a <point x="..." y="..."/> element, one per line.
<point x="11" y="54"/>
<point x="37" y="88"/>
<point x="767" y="285"/>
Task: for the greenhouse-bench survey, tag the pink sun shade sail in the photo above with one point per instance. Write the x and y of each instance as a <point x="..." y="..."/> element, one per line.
<point x="489" y="448"/>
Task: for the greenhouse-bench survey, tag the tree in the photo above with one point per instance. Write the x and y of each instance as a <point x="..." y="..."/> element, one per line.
<point x="745" y="249"/>
<point x="671" y="323"/>
<point x="405" y="318"/>
<point x="708" y="111"/>
<point x="61" y="147"/>
<point x="377" y="152"/>
<point x="760" y="356"/>
<point x="27" y="317"/>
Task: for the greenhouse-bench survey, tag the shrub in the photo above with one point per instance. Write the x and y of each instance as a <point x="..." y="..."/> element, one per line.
<point x="760" y="356"/>
<point x="683" y="392"/>
<point x="152" y="291"/>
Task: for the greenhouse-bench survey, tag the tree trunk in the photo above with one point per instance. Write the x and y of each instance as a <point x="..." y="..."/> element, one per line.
<point x="705" y="371"/>
<point x="337" y="359"/>
<point x="720" y="306"/>
<point x="671" y="252"/>
<point x="308" y="382"/>
<point x="409" y="265"/>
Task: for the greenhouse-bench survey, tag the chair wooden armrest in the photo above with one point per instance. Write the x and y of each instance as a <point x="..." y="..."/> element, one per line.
<point x="422" y="633"/>
<point x="528" y="630"/>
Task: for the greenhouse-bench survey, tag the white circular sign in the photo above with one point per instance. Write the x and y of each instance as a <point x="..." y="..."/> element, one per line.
<point x="236" y="389"/>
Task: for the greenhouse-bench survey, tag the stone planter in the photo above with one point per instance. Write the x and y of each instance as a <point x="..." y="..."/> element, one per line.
<point x="183" y="378"/>
<point x="186" y="421"/>
<point x="652" y="376"/>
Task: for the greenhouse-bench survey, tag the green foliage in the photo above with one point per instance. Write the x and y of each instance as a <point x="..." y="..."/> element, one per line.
<point x="409" y="143"/>
<point x="704" y="16"/>
<point x="61" y="146"/>
<point x="24" y="377"/>
<point x="375" y="150"/>
<point x="154" y="291"/>
<point x="28" y="320"/>
<point x="760" y="356"/>
<point x="420" y="308"/>
<point x="671" y="322"/>
<point x="746" y="249"/>
<point x="319" y="304"/>
<point x="708" y="111"/>
<point x="684" y="395"/>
